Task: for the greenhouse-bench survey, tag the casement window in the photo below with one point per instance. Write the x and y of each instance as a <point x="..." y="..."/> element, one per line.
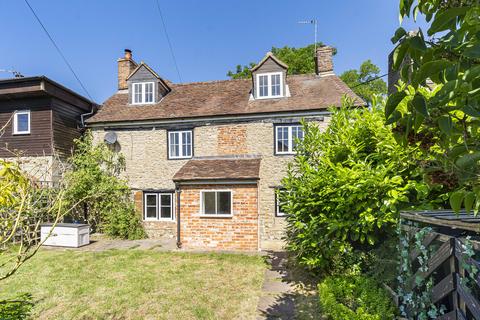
<point x="279" y="210"/>
<point x="21" y="122"/>
<point x="158" y="207"/>
<point x="180" y="144"/>
<point x="143" y="93"/>
<point x="286" y="137"/>
<point x="269" y="85"/>
<point x="216" y="202"/>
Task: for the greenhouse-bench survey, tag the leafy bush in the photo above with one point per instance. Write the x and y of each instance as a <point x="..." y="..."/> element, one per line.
<point x="95" y="182"/>
<point x="345" y="187"/>
<point x="16" y="309"/>
<point x="354" y="297"/>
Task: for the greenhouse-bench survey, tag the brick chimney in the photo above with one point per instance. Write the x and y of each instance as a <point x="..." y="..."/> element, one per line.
<point x="323" y="61"/>
<point x="125" y="66"/>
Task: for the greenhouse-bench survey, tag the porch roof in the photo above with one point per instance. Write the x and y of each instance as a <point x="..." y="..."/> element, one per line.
<point x="219" y="169"/>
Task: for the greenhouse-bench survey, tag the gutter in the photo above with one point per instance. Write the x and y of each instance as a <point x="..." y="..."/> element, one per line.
<point x="212" y="119"/>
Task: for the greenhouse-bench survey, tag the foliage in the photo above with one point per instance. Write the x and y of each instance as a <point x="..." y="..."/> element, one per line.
<point x="346" y="185"/>
<point x="24" y="205"/>
<point x="354" y="297"/>
<point x="416" y="303"/>
<point x="16" y="309"/>
<point x="443" y="95"/>
<point x="365" y="81"/>
<point x="299" y="61"/>
<point x="95" y="176"/>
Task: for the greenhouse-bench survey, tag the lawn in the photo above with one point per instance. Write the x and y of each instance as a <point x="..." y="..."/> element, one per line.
<point x="139" y="284"/>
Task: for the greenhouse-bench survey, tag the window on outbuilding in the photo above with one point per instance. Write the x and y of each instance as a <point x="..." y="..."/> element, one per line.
<point x="143" y="93"/>
<point x="216" y="202"/>
<point x="21" y="122"/>
<point x="286" y="137"/>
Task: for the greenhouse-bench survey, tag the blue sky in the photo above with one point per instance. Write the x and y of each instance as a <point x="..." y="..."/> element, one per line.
<point x="209" y="37"/>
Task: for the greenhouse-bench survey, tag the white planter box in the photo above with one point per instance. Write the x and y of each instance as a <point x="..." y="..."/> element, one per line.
<point x="66" y="235"/>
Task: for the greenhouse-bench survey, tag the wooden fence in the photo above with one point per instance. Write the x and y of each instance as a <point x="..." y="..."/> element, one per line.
<point x="454" y="288"/>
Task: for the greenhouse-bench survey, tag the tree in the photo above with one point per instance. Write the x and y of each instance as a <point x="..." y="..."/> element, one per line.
<point x="365" y="82"/>
<point x="299" y="61"/>
<point x="437" y="104"/>
<point x="95" y="177"/>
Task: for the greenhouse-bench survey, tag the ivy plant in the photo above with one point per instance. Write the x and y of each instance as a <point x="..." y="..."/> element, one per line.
<point x="440" y="94"/>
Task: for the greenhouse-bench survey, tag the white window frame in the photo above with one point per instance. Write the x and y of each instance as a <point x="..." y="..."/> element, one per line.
<point x="290" y="138"/>
<point x="202" y="209"/>
<point x="15" y="122"/>
<point x="180" y="143"/>
<point x="143" y="85"/>
<point x="278" y="213"/>
<point x="269" y="87"/>
<point x="158" y="205"/>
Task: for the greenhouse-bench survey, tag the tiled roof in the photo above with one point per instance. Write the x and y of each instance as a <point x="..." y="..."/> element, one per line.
<point x="219" y="169"/>
<point x="228" y="97"/>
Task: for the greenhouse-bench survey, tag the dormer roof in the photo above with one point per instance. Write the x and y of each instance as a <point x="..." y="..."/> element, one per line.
<point x="146" y="66"/>
<point x="270" y="55"/>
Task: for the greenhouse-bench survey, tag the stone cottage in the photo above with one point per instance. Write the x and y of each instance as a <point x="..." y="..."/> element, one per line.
<point x="204" y="159"/>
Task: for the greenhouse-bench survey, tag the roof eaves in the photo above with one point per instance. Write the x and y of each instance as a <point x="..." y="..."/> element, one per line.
<point x="270" y="55"/>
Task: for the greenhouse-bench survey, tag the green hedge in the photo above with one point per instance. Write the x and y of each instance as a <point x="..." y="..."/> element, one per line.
<point x="355" y="297"/>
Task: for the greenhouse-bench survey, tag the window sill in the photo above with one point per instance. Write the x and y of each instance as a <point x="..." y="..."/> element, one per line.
<point x="179" y="158"/>
<point x="215" y="216"/>
<point x="21" y="133"/>
<point x="286" y="154"/>
<point x="158" y="220"/>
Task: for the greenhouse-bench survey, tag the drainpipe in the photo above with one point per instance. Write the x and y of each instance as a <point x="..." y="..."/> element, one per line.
<point x="83" y="115"/>
<point x="178" y="192"/>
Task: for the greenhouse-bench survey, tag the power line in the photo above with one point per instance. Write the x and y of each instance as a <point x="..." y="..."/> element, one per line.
<point x="168" y="40"/>
<point x="369" y="80"/>
<point x="59" y="51"/>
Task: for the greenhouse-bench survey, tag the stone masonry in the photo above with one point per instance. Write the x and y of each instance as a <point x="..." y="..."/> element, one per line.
<point x="147" y="167"/>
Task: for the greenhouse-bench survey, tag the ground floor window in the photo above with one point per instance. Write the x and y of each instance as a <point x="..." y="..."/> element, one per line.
<point x="158" y="206"/>
<point x="279" y="210"/>
<point x="216" y="202"/>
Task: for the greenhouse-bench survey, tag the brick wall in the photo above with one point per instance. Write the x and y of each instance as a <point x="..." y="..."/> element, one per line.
<point x="239" y="232"/>
<point x="232" y="140"/>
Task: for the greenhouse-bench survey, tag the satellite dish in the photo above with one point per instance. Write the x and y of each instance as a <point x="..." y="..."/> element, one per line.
<point x="110" y="137"/>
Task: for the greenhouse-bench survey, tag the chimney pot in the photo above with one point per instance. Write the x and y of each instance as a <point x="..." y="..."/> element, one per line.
<point x="128" y="54"/>
<point x="323" y="61"/>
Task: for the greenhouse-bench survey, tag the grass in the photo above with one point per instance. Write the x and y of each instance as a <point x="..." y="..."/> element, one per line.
<point x="139" y="284"/>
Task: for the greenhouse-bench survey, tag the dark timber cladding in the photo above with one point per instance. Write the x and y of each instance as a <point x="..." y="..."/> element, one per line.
<point x="55" y="114"/>
<point x="455" y="286"/>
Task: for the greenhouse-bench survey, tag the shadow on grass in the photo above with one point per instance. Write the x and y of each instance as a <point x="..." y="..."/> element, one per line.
<point x="300" y="302"/>
<point x="17" y="308"/>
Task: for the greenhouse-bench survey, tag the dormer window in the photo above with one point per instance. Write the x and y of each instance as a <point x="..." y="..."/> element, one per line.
<point x="269" y="85"/>
<point x="143" y="92"/>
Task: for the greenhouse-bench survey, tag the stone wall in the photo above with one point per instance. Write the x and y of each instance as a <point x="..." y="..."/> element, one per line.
<point x="148" y="168"/>
<point x="238" y="232"/>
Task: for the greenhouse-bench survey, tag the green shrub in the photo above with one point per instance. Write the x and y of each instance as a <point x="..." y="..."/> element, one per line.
<point x="345" y="188"/>
<point x="16" y="309"/>
<point x="94" y="181"/>
<point x="354" y="297"/>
